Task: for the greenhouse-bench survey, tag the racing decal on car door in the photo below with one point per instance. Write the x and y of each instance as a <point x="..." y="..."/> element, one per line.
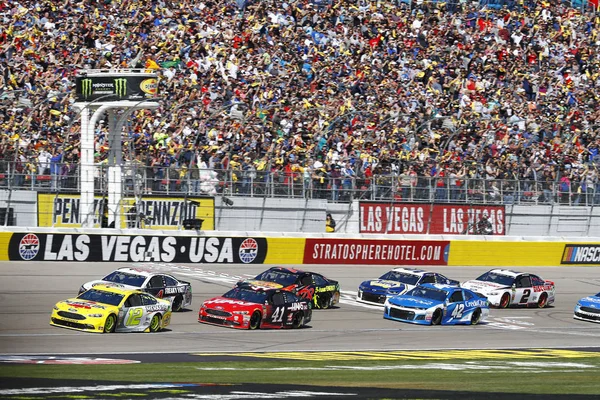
<point x="306" y="292"/>
<point x="133" y="317"/>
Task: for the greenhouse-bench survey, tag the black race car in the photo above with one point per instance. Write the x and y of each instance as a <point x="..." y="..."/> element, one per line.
<point x="323" y="292"/>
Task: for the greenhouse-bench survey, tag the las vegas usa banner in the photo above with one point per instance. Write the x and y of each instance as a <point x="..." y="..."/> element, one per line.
<point x="425" y="218"/>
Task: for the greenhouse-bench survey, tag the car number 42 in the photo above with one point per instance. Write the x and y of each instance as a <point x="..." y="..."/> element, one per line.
<point x="458" y="311"/>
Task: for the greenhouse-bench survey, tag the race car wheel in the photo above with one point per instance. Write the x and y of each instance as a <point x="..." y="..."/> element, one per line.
<point x="476" y="316"/>
<point x="255" y="320"/>
<point x="298" y="320"/>
<point x="155" y="323"/>
<point x="177" y="302"/>
<point x="436" y="318"/>
<point x="110" y="324"/>
<point x="505" y="300"/>
<point x="542" y="301"/>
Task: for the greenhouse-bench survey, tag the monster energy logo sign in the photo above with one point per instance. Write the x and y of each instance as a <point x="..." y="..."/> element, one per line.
<point x="86" y="88"/>
<point x="121" y="87"/>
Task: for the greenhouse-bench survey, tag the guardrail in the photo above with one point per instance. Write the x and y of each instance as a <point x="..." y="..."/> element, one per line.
<point x="333" y="186"/>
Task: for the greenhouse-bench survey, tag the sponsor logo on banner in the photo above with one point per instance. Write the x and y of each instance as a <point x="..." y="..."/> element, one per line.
<point x="425" y="218"/>
<point x="86" y="88"/>
<point x="121" y="87"/>
<point x="64" y="210"/>
<point x="581" y="254"/>
<point x="29" y="246"/>
<point x="149" y="86"/>
<point x="376" y="252"/>
<point x="125" y="248"/>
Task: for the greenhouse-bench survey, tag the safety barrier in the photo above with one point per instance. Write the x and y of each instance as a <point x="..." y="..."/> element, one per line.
<point x="210" y="247"/>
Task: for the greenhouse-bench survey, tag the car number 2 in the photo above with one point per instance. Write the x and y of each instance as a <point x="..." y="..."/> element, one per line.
<point x="525" y="298"/>
<point x="135" y="315"/>
<point x="458" y="311"/>
<point x="278" y="314"/>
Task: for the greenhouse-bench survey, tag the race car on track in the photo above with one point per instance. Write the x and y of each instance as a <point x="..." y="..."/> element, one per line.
<point x="249" y="306"/>
<point x="588" y="309"/>
<point x="163" y="286"/>
<point x="395" y="282"/>
<point x="323" y="292"/>
<point x="505" y="288"/>
<point x="433" y="304"/>
<point x="106" y="308"/>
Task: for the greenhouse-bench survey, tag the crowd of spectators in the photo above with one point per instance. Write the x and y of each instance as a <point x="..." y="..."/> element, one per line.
<point x="327" y="93"/>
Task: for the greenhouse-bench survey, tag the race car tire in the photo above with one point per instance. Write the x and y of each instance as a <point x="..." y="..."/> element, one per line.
<point x="110" y="324"/>
<point x="504" y="300"/>
<point x="476" y="316"/>
<point x="324" y="300"/>
<point x="155" y="323"/>
<point x="436" y="318"/>
<point x="177" y="303"/>
<point x="542" y="301"/>
<point x="255" y="320"/>
<point x="298" y="320"/>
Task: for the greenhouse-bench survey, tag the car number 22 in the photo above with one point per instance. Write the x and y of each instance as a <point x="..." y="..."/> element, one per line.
<point x="278" y="314"/>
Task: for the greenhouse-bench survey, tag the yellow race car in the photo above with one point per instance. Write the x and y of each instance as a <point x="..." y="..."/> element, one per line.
<point x="107" y="308"/>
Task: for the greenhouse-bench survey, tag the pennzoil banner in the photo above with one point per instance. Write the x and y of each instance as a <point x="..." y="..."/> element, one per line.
<point x="163" y="213"/>
<point x="427" y="218"/>
<point x="138" y="248"/>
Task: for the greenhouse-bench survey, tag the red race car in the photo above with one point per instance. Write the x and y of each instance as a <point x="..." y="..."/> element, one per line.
<point x="248" y="306"/>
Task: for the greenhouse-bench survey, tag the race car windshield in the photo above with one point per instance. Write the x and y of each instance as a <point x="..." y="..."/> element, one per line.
<point x="99" y="296"/>
<point x="409" y="279"/>
<point x="493" y="277"/>
<point x="125" y="278"/>
<point x="249" y="295"/>
<point x="427" y="293"/>
<point x="282" y="278"/>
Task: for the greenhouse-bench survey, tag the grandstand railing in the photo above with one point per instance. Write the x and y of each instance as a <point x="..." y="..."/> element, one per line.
<point x="139" y="180"/>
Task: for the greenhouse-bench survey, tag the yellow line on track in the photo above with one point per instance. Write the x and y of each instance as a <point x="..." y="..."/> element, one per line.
<point x="413" y="355"/>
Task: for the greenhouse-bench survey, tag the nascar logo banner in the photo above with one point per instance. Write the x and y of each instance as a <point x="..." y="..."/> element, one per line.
<point x="426" y="218"/>
<point x="130" y="248"/>
<point x="587" y="254"/>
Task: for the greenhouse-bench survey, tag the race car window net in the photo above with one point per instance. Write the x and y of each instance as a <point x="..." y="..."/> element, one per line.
<point x="114" y="299"/>
<point x="497" y="278"/>
<point x="249" y="295"/>
<point x="400" y="277"/>
<point x="125" y="278"/>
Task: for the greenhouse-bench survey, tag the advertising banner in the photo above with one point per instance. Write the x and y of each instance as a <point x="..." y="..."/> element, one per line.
<point x="113" y="87"/>
<point x="426" y="218"/>
<point x="586" y="254"/>
<point x="130" y="248"/>
<point x="162" y="213"/>
<point x="376" y="252"/>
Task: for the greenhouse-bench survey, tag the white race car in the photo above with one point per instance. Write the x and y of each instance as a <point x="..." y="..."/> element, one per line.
<point x="505" y="288"/>
<point x="160" y="285"/>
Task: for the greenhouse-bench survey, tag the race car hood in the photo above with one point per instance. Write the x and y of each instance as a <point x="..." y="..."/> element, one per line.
<point x="413" y="302"/>
<point x="83" y="307"/>
<point x="223" y="303"/>
<point x="264" y="284"/>
<point x="483" y="287"/>
<point x="381" y="286"/>
<point x="590" y="301"/>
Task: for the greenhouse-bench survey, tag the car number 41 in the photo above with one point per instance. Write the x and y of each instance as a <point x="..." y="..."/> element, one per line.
<point x="278" y="314"/>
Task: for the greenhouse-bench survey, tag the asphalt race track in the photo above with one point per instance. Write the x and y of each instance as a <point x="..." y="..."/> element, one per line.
<point x="29" y="290"/>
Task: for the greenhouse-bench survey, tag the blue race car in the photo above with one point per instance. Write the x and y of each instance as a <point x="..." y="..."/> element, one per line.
<point x="397" y="281"/>
<point x="433" y="304"/>
<point x="588" y="309"/>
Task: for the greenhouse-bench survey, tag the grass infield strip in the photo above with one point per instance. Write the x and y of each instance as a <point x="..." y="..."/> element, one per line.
<point x="533" y="375"/>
